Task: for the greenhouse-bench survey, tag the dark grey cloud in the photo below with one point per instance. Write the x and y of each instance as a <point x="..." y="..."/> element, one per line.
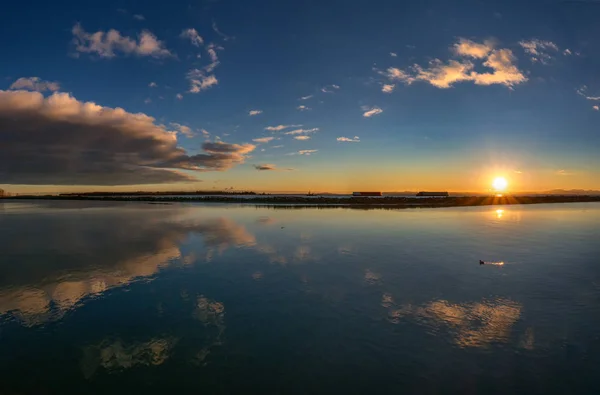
<point x="62" y="141"/>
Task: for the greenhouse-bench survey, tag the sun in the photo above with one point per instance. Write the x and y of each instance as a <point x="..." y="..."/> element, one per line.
<point x="500" y="183"/>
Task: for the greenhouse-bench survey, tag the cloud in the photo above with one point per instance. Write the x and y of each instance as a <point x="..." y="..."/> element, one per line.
<point x="307" y="151"/>
<point x="563" y="173"/>
<point x="152" y="85"/>
<point x="330" y="88"/>
<point x="185" y="130"/>
<point x="444" y="75"/>
<point x="567" y="52"/>
<point x="200" y="81"/>
<point x="305" y="97"/>
<point x="596" y="108"/>
<point x="302" y="138"/>
<point x="266" y="166"/>
<point x="355" y="139"/>
<point x="148" y="100"/>
<point x="263" y="139"/>
<point x="61" y="141"/>
<point x="582" y="92"/>
<point x="388" y="88"/>
<point x="220" y="33"/>
<point x="205" y="132"/>
<point x="277" y="146"/>
<point x="139" y="17"/>
<point x="393" y="54"/>
<point x="35" y="84"/>
<point x="179" y="96"/>
<point x="472" y="49"/>
<point x="280" y="127"/>
<point x="302" y="131"/>
<point x="538" y="50"/>
<point x="193" y="36"/>
<point x="303" y="108"/>
<point x="108" y="44"/>
<point x="211" y="49"/>
<point x="371" y="111"/>
<point x="254" y="112"/>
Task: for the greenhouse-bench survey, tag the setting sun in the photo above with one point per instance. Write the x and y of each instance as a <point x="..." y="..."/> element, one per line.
<point x="500" y="183"/>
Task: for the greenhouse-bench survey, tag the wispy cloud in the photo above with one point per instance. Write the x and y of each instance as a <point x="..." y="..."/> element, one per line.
<point x="281" y="127"/>
<point x="354" y="139"/>
<point x="270" y="167"/>
<point x="305" y="97"/>
<point x="302" y="138"/>
<point x="220" y="33"/>
<point x="302" y="108"/>
<point x="307" y="151"/>
<point x="254" y="112"/>
<point x="277" y="146"/>
<point x="539" y="50"/>
<point x="393" y="54"/>
<point x="444" y="75"/>
<point x="179" y="96"/>
<point x="152" y="85"/>
<point x="388" y="88"/>
<point x="596" y="108"/>
<point x="35" y="84"/>
<point x="185" y="130"/>
<point x="192" y="35"/>
<point x="263" y="140"/>
<point x="108" y="44"/>
<point x="301" y="131"/>
<point x="148" y="100"/>
<point x="563" y="172"/>
<point x="330" y="88"/>
<point x="371" y="111"/>
<point x="139" y="17"/>
<point x="211" y="49"/>
<point x="583" y="92"/>
<point x="200" y="81"/>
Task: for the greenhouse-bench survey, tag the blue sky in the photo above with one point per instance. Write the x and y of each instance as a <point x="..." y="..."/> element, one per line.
<point x="398" y="95"/>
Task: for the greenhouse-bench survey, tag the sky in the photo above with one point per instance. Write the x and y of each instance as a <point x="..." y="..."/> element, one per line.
<point x="289" y="96"/>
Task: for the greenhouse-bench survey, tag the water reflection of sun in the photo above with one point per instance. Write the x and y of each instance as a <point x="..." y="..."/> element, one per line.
<point x="499" y="213"/>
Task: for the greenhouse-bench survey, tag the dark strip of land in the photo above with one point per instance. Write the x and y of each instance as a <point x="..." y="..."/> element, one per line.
<point x="359" y="202"/>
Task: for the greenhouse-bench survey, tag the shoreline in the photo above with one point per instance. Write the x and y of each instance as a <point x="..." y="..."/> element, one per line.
<point x="389" y="202"/>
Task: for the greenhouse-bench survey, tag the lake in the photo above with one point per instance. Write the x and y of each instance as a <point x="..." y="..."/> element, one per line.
<point x="113" y="297"/>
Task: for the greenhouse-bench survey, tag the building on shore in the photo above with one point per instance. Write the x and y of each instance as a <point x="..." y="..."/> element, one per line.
<point x="433" y="194"/>
<point x="366" y="193"/>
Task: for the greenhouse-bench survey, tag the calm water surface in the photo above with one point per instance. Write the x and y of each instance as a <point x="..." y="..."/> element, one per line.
<point x="183" y="298"/>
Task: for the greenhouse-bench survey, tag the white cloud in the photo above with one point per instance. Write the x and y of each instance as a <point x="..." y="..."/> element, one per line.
<point x="563" y="173"/>
<point x="371" y="111"/>
<point x="108" y="44"/>
<point x="388" y="88"/>
<point x="148" y="100"/>
<point x="199" y="81"/>
<point x="444" y="75"/>
<point x="302" y="108"/>
<point x="330" y="88"/>
<point x="277" y="146"/>
<point x="355" y="139"/>
<point x="179" y="96"/>
<point x="205" y="132"/>
<point x="35" y="84"/>
<point x="307" y="151"/>
<point x="263" y="139"/>
<point x="211" y="49"/>
<point x="538" y="50"/>
<point x="302" y="138"/>
<point x="596" y="108"/>
<point x="567" y="52"/>
<point x="192" y="35"/>
<point x="281" y="127"/>
<point x="472" y="49"/>
<point x="582" y="92"/>
<point x="139" y="17"/>
<point x="254" y="112"/>
<point x="301" y="131"/>
<point x="305" y="97"/>
<point x="152" y="85"/>
<point x="393" y="54"/>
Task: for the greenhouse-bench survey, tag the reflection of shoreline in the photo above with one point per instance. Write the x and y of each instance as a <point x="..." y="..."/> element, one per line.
<point x="334" y="202"/>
